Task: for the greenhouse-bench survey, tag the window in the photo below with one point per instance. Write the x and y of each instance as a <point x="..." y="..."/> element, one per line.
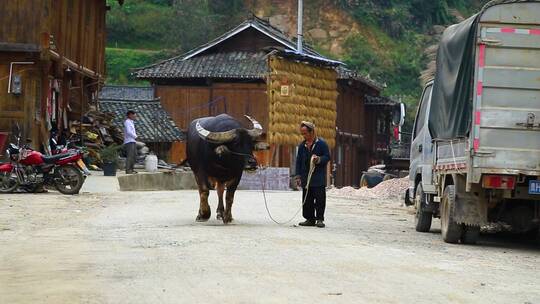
<point x="421" y="115"/>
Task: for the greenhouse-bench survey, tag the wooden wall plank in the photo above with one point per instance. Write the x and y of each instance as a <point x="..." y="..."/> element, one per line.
<point x="186" y="103"/>
<point x="78" y="28"/>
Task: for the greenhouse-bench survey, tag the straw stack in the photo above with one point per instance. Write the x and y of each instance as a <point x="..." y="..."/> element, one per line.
<point x="312" y="97"/>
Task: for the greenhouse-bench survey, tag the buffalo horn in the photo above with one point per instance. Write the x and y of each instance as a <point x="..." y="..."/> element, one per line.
<point x="215" y="137"/>
<point x="257" y="128"/>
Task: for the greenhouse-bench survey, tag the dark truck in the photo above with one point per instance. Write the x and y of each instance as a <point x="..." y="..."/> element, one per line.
<point x="392" y="154"/>
<point x="475" y="153"/>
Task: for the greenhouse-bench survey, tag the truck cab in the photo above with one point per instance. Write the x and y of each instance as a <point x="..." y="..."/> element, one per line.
<point x="421" y="187"/>
<point x="421" y="156"/>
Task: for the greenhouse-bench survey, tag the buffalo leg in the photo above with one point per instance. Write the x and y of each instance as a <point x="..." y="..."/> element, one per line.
<point x="229" y="197"/>
<point x="220" y="190"/>
<point x="204" y="208"/>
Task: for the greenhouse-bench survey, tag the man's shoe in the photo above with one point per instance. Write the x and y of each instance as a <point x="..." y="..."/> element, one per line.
<point x="320" y="224"/>
<point x="307" y="223"/>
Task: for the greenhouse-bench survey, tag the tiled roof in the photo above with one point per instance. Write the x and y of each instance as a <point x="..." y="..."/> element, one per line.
<point x="126" y="93"/>
<point x="218" y="65"/>
<point x="345" y="73"/>
<point x="260" y="25"/>
<point x="379" y="101"/>
<point x="153" y="123"/>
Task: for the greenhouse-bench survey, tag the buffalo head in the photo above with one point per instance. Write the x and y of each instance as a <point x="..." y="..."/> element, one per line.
<point x="238" y="141"/>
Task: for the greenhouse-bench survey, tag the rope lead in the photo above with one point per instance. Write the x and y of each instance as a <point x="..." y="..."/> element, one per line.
<point x="311" y="170"/>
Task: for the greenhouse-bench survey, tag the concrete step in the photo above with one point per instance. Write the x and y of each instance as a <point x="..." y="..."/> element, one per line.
<point x="159" y="181"/>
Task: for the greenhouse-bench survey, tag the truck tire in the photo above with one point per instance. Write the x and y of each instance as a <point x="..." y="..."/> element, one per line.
<point x="470" y="235"/>
<point x="450" y="230"/>
<point x="422" y="218"/>
<point x="369" y="180"/>
<point x="407" y="198"/>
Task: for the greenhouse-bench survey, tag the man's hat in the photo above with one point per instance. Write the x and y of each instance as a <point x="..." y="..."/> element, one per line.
<point x="308" y="124"/>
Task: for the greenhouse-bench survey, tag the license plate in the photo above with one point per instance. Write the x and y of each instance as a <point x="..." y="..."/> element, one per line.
<point x="83" y="167"/>
<point x="534" y="187"/>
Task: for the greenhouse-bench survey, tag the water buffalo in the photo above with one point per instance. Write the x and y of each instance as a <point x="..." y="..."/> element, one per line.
<point x="219" y="149"/>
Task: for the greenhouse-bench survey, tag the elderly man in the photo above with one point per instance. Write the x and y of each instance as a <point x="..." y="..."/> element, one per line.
<point x="313" y="151"/>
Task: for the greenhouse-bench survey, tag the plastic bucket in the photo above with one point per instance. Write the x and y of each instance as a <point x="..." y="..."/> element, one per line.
<point x="109" y="169"/>
<point x="151" y="163"/>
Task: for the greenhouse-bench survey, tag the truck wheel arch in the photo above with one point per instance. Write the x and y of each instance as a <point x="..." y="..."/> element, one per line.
<point x="447" y="180"/>
<point x="417" y="181"/>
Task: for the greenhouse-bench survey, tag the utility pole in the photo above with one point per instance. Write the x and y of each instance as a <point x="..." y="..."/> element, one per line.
<point x="300" y="31"/>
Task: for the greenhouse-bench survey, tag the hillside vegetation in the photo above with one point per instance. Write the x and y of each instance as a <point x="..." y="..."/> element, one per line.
<point x="384" y="39"/>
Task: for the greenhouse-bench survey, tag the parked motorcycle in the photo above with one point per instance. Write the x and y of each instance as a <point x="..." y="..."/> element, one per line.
<point x="32" y="170"/>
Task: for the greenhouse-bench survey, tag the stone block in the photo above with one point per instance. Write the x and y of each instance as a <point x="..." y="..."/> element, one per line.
<point x="273" y="179"/>
<point x="161" y="181"/>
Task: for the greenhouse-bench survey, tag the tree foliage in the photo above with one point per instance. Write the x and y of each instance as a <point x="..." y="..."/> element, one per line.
<point x="397" y="16"/>
<point x="395" y="54"/>
<point x="170" y="24"/>
<point x="120" y="63"/>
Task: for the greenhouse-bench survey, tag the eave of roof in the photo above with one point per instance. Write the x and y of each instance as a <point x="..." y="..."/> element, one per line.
<point x="379" y="101"/>
<point x="310" y="58"/>
<point x="126" y="93"/>
<point x="233" y="65"/>
<point x="347" y="74"/>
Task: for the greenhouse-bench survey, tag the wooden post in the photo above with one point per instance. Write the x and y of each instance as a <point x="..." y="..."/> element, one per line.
<point x="44" y="133"/>
<point x="81" y="80"/>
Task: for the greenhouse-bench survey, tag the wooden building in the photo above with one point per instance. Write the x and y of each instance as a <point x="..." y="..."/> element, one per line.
<point x="234" y="74"/>
<point x="52" y="61"/>
<point x="364" y="128"/>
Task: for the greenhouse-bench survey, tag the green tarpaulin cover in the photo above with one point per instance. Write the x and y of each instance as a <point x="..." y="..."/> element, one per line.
<point x="451" y="101"/>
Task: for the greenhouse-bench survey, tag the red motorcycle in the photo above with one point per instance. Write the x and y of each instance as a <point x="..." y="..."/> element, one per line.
<point x="32" y="170"/>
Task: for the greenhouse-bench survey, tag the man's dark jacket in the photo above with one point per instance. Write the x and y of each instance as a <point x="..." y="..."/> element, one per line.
<point x="319" y="148"/>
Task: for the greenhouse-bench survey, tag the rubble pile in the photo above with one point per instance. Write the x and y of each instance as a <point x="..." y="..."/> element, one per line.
<point x="142" y="152"/>
<point x="97" y="131"/>
<point x="390" y="189"/>
<point x="350" y="192"/>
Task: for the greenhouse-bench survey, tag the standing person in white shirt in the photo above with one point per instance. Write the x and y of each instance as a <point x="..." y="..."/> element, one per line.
<point x="130" y="138"/>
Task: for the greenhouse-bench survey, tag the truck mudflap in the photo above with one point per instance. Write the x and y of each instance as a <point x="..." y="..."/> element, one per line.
<point x="470" y="209"/>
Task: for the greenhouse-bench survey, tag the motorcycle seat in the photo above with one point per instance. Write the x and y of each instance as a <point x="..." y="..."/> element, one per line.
<point x="53" y="158"/>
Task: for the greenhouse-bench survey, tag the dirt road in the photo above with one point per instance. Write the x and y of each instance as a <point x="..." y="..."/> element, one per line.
<point x="105" y="246"/>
